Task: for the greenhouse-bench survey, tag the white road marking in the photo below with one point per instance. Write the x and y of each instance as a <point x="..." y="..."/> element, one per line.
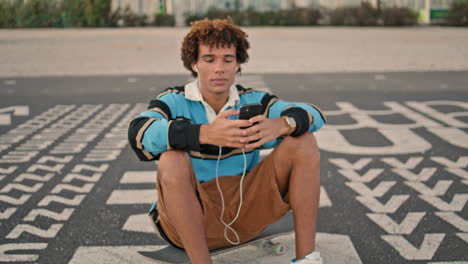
<point x="15" y="201"/>
<point x="457" y="204"/>
<point x="59" y="199"/>
<point x="130" y="177"/>
<point x="380" y="190"/>
<point x="426" y="251"/>
<point x="439" y="189"/>
<point x="411" y="163"/>
<point x="4" y="257"/>
<point x="368" y="176"/>
<point x="454" y="219"/>
<point x="406" y="226"/>
<point x="25" y="228"/>
<point x="63" y="216"/>
<point x="143" y="196"/>
<point x="424" y="175"/>
<point x="461" y="162"/>
<point x="7" y="213"/>
<point x="347" y="165"/>
<point x="391" y="206"/>
<point x="112" y="254"/>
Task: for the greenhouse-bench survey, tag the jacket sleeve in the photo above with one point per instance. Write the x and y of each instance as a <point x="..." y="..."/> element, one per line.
<point x="157" y="129"/>
<point x="309" y="118"/>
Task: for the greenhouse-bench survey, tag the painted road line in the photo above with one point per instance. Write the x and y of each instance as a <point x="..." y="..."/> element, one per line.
<point x="143" y="196"/>
<point x="130" y="177"/>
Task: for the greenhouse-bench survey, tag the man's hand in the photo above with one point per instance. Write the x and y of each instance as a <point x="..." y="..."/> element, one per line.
<point x="224" y="132"/>
<point x="266" y="130"/>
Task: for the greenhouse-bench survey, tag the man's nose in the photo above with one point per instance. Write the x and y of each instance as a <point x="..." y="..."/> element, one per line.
<point x="219" y="67"/>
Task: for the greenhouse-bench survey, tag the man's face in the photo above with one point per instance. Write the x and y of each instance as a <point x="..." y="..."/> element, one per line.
<point x="216" y="69"/>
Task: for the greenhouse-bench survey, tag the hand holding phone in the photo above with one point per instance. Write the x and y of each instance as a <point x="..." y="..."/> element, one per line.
<point x="250" y="110"/>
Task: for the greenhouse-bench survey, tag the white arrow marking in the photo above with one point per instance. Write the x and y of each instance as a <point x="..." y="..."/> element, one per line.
<point x="378" y="191"/>
<point x="324" y="199"/>
<point x="81" y="167"/>
<point x="71" y="176"/>
<point x="427" y="250"/>
<point x="55" y="159"/>
<point x="139" y="177"/>
<point x="391" y="206"/>
<point x="34" y="177"/>
<point x="454" y="220"/>
<point x="345" y="164"/>
<point x="20" y="229"/>
<point x="132" y="197"/>
<point x="7" y="213"/>
<point x="411" y="163"/>
<point x="462" y="162"/>
<point x="406" y="226"/>
<point x="439" y="189"/>
<point x="458" y="172"/>
<point x="15" y="201"/>
<point x="8" y="170"/>
<point x="463" y="236"/>
<point x="84" y="189"/>
<point x="21" y="187"/>
<point x="424" y="175"/>
<point x="63" y="216"/>
<point x="59" y="199"/>
<point x="4" y="257"/>
<point x="367" y="177"/>
<point x="457" y="203"/>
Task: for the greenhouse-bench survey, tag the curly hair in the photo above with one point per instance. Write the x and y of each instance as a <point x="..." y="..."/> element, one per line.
<point x="217" y="32"/>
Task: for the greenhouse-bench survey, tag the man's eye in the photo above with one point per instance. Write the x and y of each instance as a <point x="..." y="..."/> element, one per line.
<point x="228" y="61"/>
<point x="209" y="61"/>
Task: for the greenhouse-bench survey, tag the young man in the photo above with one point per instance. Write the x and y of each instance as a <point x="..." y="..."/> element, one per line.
<point x="203" y="148"/>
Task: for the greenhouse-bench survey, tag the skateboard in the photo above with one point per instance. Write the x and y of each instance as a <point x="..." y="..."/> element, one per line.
<point x="174" y="255"/>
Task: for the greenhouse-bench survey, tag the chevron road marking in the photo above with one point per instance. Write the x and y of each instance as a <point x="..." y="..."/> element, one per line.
<point x="63" y="216"/>
<point x="17" y="110"/>
<point x="461" y="162"/>
<point x="21" y="187"/>
<point x="8" y="170"/>
<point x="406" y="226"/>
<point x="18" y="156"/>
<point x="25" y="228"/>
<point x="34" y="177"/>
<point x="449" y="262"/>
<point x="439" y="189"/>
<point x="4" y="257"/>
<point x="424" y="175"/>
<point x="7" y="213"/>
<point x="381" y="189"/>
<point x="457" y="203"/>
<point x="61" y="187"/>
<point x="143" y="196"/>
<point x="463" y="236"/>
<point x="138" y="223"/>
<point x="411" y="163"/>
<point x="352" y="175"/>
<point x="427" y="250"/>
<point x="324" y="199"/>
<point x="72" y="176"/>
<point x="57" y="168"/>
<point x="15" y="201"/>
<point x="454" y="219"/>
<point x="375" y="206"/>
<point x="82" y="167"/>
<point x="59" y="199"/>
<point x="458" y="172"/>
<point x="46" y="158"/>
<point x="139" y="177"/>
<point x="345" y="164"/>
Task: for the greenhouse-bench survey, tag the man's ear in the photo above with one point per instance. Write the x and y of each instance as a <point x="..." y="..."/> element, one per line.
<point x="194" y="68"/>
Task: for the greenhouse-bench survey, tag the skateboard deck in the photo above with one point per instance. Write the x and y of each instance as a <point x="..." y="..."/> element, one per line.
<point x="174" y="255"/>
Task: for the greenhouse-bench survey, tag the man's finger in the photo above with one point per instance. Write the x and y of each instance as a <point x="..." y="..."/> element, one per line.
<point x="228" y="113"/>
<point x="257" y="119"/>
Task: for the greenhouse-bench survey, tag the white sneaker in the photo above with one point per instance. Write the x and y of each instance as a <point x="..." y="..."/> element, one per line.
<point x="312" y="258"/>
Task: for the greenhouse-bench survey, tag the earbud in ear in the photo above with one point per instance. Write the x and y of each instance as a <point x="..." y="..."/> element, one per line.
<point x="195" y="69"/>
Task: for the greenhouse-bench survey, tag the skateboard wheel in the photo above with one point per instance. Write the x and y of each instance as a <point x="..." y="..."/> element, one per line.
<point x="280" y="249"/>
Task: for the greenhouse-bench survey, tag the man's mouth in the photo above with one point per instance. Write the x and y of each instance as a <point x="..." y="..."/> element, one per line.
<point x="219" y="81"/>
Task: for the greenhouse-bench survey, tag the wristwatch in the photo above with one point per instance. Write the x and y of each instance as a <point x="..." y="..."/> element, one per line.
<point x="291" y="123"/>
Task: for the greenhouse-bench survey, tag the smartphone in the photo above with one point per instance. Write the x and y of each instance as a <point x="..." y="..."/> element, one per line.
<point x="248" y="111"/>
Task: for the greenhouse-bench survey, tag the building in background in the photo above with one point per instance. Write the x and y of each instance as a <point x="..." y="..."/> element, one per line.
<point x="429" y="10"/>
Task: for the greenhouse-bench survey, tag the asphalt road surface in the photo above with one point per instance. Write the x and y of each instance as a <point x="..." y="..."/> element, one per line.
<point x="394" y="167"/>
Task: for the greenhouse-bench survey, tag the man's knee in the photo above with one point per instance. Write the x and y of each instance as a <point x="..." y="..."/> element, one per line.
<point x="174" y="166"/>
<point x="302" y="146"/>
